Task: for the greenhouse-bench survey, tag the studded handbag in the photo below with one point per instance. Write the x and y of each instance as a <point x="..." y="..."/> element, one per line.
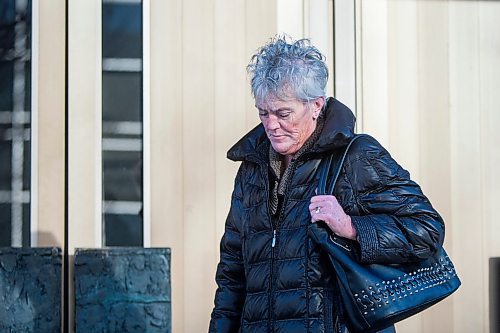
<point x="376" y="296"/>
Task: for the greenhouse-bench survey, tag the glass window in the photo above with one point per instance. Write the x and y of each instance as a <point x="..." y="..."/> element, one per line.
<point x="122" y="122"/>
<point x="15" y="122"/>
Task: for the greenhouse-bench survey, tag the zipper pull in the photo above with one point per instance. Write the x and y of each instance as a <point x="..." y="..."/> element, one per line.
<point x="274" y="238"/>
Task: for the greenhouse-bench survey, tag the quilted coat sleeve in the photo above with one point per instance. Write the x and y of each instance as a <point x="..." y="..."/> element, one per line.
<point x="397" y="223"/>
<point x="230" y="275"/>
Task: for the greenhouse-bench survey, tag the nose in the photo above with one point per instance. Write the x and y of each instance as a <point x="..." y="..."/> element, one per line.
<point x="271" y="123"/>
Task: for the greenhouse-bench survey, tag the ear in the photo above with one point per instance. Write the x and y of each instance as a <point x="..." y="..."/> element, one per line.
<point x="317" y="105"/>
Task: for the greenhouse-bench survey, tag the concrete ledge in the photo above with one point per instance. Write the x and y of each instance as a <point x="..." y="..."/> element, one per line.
<point x="30" y="290"/>
<point x="122" y="290"/>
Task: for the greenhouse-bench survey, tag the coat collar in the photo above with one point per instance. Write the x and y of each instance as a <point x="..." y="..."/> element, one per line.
<point x="337" y="132"/>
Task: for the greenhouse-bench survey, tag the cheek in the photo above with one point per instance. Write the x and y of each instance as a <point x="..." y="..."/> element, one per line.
<point x="291" y="130"/>
<point x="303" y="130"/>
<point x="292" y="127"/>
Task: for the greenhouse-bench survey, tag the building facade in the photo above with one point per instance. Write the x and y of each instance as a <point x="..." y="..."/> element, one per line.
<point x="116" y="115"/>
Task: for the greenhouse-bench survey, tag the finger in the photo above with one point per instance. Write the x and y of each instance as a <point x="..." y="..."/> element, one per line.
<point x="319" y="217"/>
<point x="313" y="206"/>
<point x="329" y="202"/>
<point x="315" y="210"/>
<point x="315" y="218"/>
<point x="319" y="198"/>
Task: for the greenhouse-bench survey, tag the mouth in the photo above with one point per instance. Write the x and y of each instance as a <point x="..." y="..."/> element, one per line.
<point x="277" y="138"/>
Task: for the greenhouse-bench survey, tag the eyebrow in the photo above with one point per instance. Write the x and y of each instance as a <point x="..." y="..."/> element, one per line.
<point x="274" y="111"/>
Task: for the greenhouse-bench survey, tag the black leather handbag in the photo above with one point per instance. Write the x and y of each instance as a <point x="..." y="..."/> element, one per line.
<point x="376" y="296"/>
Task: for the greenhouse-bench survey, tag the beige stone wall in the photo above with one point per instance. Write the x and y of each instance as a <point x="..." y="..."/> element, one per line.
<point x="428" y="74"/>
<point x="200" y="106"/>
<point x="48" y="125"/>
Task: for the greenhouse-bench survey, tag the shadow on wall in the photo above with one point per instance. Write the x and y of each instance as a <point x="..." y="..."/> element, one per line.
<point x="47" y="239"/>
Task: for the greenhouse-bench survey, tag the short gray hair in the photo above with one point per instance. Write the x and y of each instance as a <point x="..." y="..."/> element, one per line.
<point x="281" y="68"/>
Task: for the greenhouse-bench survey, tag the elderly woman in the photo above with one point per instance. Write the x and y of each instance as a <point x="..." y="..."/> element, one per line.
<point x="270" y="277"/>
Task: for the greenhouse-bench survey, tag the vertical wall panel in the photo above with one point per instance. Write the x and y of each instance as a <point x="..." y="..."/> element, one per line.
<point x="433" y="102"/>
<point x="199" y="159"/>
<point x="403" y="105"/>
<point x="465" y="227"/>
<point x="330" y="53"/>
<point x="358" y="35"/>
<point x="403" y="76"/>
<point x="316" y="26"/>
<point x="167" y="227"/>
<point x="84" y="123"/>
<point x="261" y="25"/>
<point x="231" y="88"/>
<point x="84" y="112"/>
<point x="50" y="140"/>
<point x="489" y="62"/>
<point x="434" y="127"/>
<point x="290" y="17"/>
<point x="345" y="53"/>
<point x="489" y="44"/>
<point x="375" y="73"/>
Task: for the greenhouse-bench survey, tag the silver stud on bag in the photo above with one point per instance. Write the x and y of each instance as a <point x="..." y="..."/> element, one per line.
<point x="406" y="285"/>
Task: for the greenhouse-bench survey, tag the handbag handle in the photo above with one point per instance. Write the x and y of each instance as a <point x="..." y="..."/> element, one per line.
<point x="337" y="158"/>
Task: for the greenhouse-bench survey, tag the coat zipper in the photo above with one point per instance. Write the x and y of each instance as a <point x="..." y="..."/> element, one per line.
<point x="265" y="176"/>
<point x="271" y="287"/>
<point x="273" y="245"/>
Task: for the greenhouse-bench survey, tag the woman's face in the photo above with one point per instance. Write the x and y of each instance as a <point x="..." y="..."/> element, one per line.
<point x="288" y="123"/>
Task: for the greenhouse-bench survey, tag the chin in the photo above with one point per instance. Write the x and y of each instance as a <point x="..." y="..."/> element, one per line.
<point x="282" y="150"/>
<point x="279" y="149"/>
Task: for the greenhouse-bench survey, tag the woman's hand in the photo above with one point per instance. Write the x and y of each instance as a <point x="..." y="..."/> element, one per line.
<point x="327" y="209"/>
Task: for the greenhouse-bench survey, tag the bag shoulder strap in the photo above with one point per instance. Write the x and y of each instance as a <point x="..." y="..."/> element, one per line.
<point x="334" y="162"/>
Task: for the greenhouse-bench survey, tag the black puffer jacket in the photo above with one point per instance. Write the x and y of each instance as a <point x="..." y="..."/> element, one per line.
<point x="289" y="287"/>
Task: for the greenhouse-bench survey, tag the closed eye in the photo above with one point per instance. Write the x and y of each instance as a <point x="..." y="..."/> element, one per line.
<point x="284" y="115"/>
